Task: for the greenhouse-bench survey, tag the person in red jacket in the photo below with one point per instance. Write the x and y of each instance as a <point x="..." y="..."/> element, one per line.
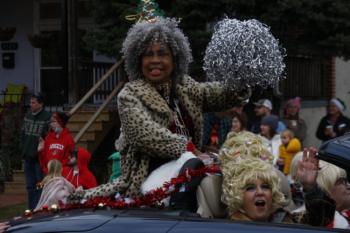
<point x="58" y="143"/>
<point x="77" y="171"/>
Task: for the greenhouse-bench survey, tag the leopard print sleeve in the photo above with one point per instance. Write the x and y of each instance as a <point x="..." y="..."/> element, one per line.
<point x="214" y="96"/>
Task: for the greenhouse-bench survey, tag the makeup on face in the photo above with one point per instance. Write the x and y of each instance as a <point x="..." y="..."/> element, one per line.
<point x="257" y="200"/>
<point x="157" y="63"/>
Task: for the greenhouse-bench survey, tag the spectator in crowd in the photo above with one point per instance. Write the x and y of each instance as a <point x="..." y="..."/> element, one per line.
<point x="55" y="187"/>
<point x="36" y="123"/>
<point x="216" y="126"/>
<point x="77" y="171"/>
<point x="333" y="181"/>
<point x="326" y="189"/>
<point x="268" y="130"/>
<point x="239" y="122"/>
<point x="116" y="169"/>
<point x="263" y="108"/>
<point x="117" y="156"/>
<point x="334" y="124"/>
<point x="58" y="143"/>
<point x="289" y="147"/>
<point x="292" y="119"/>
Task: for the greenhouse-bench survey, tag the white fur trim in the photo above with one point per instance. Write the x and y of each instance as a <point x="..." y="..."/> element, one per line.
<point x="165" y="173"/>
<point x="340" y="221"/>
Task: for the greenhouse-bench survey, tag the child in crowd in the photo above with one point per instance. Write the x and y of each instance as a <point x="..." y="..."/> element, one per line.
<point x="289" y="147"/>
<point x="55" y="187"/>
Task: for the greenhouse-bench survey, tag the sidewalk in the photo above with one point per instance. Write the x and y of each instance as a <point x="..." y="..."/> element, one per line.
<point x="12" y="199"/>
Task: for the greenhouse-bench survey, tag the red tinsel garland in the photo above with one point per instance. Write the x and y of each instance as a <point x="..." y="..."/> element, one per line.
<point x="152" y="198"/>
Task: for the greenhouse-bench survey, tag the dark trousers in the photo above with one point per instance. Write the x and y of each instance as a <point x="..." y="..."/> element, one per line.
<point x="186" y="198"/>
<point x="33" y="176"/>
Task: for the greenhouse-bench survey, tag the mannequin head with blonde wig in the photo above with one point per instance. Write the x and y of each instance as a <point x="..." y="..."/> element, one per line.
<point x="251" y="187"/>
<point x="333" y="181"/>
<point x="244" y="143"/>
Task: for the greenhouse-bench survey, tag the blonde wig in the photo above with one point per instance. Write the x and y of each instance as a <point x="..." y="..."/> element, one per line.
<point x="328" y="174"/>
<point x="54" y="168"/>
<point x="294" y="165"/>
<point x="242" y="170"/>
<point x="244" y="143"/>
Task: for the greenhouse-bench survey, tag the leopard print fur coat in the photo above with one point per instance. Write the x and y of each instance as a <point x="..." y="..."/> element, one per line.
<point x="145" y="118"/>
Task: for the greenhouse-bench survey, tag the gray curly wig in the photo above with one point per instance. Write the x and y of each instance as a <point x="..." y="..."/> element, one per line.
<point x="143" y="34"/>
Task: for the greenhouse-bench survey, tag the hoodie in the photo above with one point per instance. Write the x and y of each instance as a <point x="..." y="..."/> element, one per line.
<point x="287" y="153"/>
<point x="57" y="146"/>
<point x="81" y="176"/>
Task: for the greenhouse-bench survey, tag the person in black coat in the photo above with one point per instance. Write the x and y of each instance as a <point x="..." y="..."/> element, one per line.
<point x="334" y="124"/>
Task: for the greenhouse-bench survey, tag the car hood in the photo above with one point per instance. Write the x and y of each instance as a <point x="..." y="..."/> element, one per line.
<point x="94" y="221"/>
<point x="135" y="221"/>
<point x="63" y="222"/>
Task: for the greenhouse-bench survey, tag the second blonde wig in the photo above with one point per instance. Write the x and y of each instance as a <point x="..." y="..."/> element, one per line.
<point x="328" y="175"/>
<point x="242" y="170"/>
<point x="244" y="143"/>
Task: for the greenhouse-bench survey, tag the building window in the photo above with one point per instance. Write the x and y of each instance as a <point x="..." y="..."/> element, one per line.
<point x="311" y="78"/>
<point x="50" y="10"/>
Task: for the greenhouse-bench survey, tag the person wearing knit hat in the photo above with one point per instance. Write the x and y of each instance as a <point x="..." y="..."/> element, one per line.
<point x="61" y="118"/>
<point x="268" y="130"/>
<point x="338" y="103"/>
<point x="58" y="143"/>
<point x="263" y="108"/>
<point x="334" y="124"/>
<point x="292" y="119"/>
<point x="271" y="121"/>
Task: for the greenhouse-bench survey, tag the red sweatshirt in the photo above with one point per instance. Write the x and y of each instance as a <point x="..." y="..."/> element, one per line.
<point x="56" y="147"/>
<point x="82" y="176"/>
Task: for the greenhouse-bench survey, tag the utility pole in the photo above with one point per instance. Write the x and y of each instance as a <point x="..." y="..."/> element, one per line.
<point x="64" y="43"/>
<point x="72" y="50"/>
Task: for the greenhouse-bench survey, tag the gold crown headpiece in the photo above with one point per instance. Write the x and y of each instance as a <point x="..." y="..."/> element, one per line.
<point x="148" y="11"/>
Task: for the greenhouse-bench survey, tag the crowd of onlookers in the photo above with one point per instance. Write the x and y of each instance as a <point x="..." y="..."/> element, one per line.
<point x="53" y="164"/>
<point x="55" y="167"/>
<point x="284" y="136"/>
<point x="229" y="136"/>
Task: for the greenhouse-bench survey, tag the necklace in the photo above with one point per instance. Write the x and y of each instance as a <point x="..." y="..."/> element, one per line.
<point x="179" y="122"/>
<point x="164" y="91"/>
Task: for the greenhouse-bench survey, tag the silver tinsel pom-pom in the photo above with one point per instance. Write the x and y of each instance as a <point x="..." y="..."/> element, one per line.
<point x="243" y="54"/>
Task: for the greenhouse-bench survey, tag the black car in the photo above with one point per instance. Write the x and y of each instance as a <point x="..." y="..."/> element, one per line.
<point x="144" y="220"/>
<point x="337" y="152"/>
<point x="152" y="220"/>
